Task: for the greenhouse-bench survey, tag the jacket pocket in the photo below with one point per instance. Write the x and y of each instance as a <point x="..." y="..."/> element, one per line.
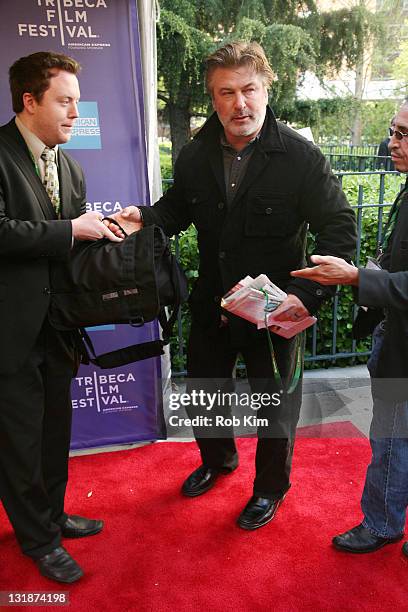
<point x="201" y="210"/>
<point x="267" y="214"/>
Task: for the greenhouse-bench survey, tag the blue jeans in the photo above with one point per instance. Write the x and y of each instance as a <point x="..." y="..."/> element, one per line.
<point x="385" y="495"/>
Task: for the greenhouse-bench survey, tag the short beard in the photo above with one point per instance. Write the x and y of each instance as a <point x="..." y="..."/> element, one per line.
<point x="248" y="130"/>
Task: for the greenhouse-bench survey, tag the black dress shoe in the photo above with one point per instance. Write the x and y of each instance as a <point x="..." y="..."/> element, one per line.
<point x="405" y="549"/>
<point x="361" y="540"/>
<point x="60" y="566"/>
<point x="200" y="481"/>
<point x="258" y="512"/>
<point x="80" y="527"/>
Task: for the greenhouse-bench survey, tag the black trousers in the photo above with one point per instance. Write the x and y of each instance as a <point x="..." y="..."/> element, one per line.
<point x="35" y="432"/>
<point x="211" y="361"/>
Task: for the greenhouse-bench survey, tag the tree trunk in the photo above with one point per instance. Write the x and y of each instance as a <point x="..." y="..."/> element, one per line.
<point x="363" y="76"/>
<point x="358" y="94"/>
<point x="179" y="119"/>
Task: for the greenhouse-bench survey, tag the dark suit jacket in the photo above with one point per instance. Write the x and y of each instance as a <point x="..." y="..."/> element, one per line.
<point x="31" y="238"/>
<point x="288" y="185"/>
<point x="384" y="153"/>
<point x="388" y="289"/>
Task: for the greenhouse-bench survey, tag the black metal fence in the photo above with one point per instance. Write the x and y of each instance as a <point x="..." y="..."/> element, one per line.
<point x="348" y="149"/>
<point x="370" y="194"/>
<point x="372" y="206"/>
<point x="342" y="162"/>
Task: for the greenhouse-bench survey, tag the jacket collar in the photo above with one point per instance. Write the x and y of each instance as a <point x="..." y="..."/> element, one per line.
<point x="270" y="139"/>
<point x="13" y="133"/>
<point x="22" y="155"/>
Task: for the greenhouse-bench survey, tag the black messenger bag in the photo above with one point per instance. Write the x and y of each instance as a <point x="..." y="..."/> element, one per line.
<point x="107" y="282"/>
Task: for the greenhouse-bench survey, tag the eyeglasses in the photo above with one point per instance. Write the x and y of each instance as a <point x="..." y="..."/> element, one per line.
<point x="398" y="135"/>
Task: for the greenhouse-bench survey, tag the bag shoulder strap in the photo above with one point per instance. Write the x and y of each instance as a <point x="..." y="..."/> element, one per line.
<point x="167" y="324"/>
<point x="122" y="356"/>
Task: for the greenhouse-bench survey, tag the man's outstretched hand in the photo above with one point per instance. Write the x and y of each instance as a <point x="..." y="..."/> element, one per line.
<point x="129" y="219"/>
<point x="329" y="271"/>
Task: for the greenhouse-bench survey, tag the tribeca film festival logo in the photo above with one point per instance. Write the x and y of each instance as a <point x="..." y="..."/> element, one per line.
<point x="104" y="392"/>
<point x="67" y="20"/>
<point x="209" y="401"/>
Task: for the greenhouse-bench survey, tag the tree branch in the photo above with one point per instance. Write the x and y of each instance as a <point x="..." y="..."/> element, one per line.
<point x="162" y="97"/>
<point x="205" y="115"/>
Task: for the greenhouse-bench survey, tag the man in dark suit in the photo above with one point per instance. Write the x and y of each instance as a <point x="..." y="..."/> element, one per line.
<point x="42" y="211"/>
<point x="385" y="497"/>
<point x="250" y="185"/>
<point x="383" y="154"/>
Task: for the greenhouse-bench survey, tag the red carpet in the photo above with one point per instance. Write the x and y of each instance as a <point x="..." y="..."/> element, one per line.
<point x="161" y="552"/>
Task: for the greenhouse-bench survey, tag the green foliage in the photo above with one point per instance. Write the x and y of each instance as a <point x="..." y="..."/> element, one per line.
<point x="345" y="34"/>
<point x="290" y="50"/>
<point x="331" y="120"/>
<point x="295" y="35"/>
<point x="186" y="248"/>
<point x="375" y="203"/>
<point x="375" y="118"/>
<point x="400" y="67"/>
<point x="370" y="184"/>
<point x="181" y="49"/>
<point x="165" y="161"/>
<point x="392" y="13"/>
<point x="185" y="38"/>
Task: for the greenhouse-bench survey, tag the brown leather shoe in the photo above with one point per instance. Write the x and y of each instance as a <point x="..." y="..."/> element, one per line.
<point x="80" y="527"/>
<point x="60" y="566"/>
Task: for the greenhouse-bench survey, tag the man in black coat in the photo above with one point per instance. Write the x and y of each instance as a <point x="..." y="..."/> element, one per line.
<point x="42" y="211"/>
<point x="385" y="290"/>
<point x="251" y="186"/>
<point x="383" y="154"/>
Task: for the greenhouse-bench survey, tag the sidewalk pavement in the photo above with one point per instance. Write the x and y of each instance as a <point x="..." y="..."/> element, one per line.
<point x="329" y="395"/>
